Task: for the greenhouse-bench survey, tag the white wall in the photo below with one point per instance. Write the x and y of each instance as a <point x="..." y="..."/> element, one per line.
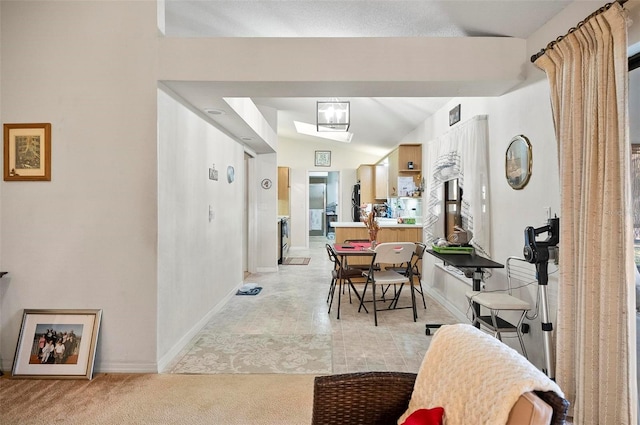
<point x="300" y="157"/>
<point x="525" y="110"/>
<point x="267" y="204"/>
<point x="199" y="261"/>
<point x="87" y="239"/>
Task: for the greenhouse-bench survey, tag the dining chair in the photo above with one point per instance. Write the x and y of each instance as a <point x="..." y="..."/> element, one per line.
<point x="418" y="253"/>
<point x="501" y="302"/>
<point x="391" y="254"/>
<point x="339" y="275"/>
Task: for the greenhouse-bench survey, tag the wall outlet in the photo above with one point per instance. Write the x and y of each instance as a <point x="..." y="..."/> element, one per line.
<point x="212" y="214"/>
<point x="547" y="212"/>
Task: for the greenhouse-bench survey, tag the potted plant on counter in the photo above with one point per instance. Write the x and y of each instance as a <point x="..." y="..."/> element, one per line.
<point x="373" y="228"/>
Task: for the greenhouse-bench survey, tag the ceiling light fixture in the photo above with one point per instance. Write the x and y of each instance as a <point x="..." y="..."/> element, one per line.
<point x="332" y="116"/>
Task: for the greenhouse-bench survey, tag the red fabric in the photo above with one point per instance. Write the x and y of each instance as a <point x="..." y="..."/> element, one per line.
<point x="425" y="417"/>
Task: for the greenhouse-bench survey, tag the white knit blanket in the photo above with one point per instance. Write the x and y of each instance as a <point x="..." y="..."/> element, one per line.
<point x="475" y="377"/>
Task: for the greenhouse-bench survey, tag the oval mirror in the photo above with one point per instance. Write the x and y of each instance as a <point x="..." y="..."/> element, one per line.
<point x="518" y="162"/>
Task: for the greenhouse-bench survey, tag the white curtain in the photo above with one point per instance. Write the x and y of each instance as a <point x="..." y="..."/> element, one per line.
<point x="595" y="340"/>
<point x="462" y="154"/>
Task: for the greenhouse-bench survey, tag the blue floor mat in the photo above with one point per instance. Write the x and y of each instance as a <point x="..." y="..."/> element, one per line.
<point x="249" y="289"/>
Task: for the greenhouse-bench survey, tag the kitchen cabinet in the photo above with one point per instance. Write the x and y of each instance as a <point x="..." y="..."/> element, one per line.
<point x="373" y="183"/>
<point x="399" y="162"/>
<point x="410" y="154"/>
<point x="382" y="183"/>
<point x="366" y="177"/>
<point x="392" y="171"/>
<point x="283" y="190"/>
<point x="408" y="234"/>
<point x="399" y="233"/>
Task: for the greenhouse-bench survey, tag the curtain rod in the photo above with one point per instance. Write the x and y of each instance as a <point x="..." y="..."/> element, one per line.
<point x="581" y="23"/>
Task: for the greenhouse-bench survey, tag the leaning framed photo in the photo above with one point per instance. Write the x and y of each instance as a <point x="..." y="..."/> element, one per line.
<point x="27" y="152"/>
<point x="57" y="344"/>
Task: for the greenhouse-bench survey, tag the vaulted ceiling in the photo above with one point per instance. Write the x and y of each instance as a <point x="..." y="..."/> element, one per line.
<point x="378" y="121"/>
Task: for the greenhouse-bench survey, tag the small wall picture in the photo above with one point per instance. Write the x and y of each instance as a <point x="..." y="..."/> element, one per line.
<point x="27" y="152"/>
<point x="57" y="344"/>
<point x="454" y="115"/>
<point x="323" y="159"/>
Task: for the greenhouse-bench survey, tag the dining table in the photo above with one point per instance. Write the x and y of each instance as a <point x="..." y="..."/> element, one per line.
<point x="471" y="261"/>
<point x="353" y="249"/>
<point x="346" y="250"/>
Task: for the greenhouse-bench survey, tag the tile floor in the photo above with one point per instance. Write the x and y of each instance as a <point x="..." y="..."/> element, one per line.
<point x="287" y="329"/>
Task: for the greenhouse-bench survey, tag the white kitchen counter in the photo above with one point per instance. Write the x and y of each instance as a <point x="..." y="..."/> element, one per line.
<point x="382" y="224"/>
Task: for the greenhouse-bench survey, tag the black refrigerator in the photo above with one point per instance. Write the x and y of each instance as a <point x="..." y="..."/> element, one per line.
<point x="355" y="202"/>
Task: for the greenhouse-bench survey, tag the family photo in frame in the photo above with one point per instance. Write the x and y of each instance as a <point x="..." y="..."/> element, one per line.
<point x="57" y="344"/>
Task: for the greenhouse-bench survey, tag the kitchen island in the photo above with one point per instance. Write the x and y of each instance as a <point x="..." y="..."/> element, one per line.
<point x="390" y="231"/>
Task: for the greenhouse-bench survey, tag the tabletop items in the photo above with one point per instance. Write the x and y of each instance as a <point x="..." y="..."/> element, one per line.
<point x="372" y="226"/>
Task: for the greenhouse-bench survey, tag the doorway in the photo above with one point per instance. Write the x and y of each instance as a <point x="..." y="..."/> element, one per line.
<point x="323" y="201"/>
<point x="249" y="239"/>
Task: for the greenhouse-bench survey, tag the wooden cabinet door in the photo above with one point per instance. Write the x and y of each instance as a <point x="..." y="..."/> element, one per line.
<point x="392" y="179"/>
<point x="413" y="154"/>
<point x="366" y="176"/>
<point x="410" y="153"/>
<point x="283" y="190"/>
<point x="283" y="183"/>
<point x="408" y="234"/>
<point x="382" y="184"/>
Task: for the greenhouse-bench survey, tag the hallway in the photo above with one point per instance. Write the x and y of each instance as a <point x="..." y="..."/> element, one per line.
<point x="286" y="328"/>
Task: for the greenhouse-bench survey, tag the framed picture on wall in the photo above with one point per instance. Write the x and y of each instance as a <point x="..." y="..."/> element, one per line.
<point x="57" y="344"/>
<point x="323" y="159"/>
<point x="454" y="115"/>
<point x="27" y="152"/>
<point x="518" y="162"/>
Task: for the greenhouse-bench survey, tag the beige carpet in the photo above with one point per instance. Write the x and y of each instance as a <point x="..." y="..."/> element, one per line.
<point x="159" y="399"/>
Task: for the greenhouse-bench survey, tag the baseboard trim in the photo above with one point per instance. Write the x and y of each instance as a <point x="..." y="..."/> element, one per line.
<point x="167" y="358"/>
<point x="126" y="368"/>
<point x="446" y="304"/>
<point x="266" y="269"/>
